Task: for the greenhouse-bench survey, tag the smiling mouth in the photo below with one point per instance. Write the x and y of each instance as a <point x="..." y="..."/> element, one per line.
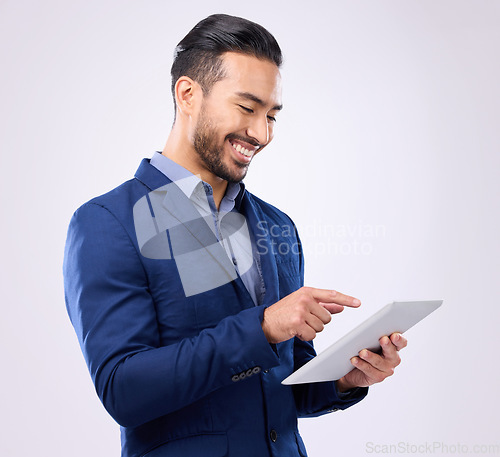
<point x="242" y="149"/>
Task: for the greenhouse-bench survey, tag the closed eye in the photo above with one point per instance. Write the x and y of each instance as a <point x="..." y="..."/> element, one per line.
<point x="246" y="109"/>
<point x="251" y="111"/>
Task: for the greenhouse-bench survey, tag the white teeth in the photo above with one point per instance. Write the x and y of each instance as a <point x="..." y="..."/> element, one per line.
<point x="243" y="150"/>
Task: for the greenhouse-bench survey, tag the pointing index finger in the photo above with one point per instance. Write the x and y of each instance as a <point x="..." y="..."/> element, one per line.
<point x="333" y="296"/>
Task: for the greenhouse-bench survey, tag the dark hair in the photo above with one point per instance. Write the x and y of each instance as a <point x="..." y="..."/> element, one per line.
<point x="198" y="54"/>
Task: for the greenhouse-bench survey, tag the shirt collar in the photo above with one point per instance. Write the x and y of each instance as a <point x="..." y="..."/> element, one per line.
<point x="189" y="183"/>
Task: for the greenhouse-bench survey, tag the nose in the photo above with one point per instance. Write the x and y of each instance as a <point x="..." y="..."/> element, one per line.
<point x="259" y="130"/>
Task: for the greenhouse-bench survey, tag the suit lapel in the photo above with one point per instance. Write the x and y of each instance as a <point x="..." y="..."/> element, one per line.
<point x="171" y="206"/>
<point x="259" y="226"/>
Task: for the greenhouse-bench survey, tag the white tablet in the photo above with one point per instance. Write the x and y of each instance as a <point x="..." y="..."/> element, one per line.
<point x="335" y="361"/>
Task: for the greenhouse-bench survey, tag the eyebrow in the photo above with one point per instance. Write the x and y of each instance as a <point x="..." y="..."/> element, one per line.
<point x="254" y="98"/>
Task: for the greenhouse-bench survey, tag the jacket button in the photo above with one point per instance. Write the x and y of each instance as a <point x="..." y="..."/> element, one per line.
<point x="273" y="435"/>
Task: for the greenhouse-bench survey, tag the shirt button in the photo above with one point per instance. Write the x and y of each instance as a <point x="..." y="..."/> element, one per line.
<point x="273" y="435"/>
<point x="234" y="261"/>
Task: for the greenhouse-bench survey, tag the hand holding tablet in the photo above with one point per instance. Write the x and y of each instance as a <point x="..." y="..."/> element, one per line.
<point x="373" y="367"/>
<point x="335" y="362"/>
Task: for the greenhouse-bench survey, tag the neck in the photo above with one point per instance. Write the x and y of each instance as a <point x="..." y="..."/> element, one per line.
<point x="177" y="150"/>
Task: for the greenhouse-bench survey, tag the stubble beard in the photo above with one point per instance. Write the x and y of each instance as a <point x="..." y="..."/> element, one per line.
<point x="212" y="154"/>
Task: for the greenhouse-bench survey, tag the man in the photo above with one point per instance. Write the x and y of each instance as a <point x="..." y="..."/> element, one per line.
<point x="186" y="291"/>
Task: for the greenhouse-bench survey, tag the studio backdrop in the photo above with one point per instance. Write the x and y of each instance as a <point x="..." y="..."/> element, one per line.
<point x="386" y="156"/>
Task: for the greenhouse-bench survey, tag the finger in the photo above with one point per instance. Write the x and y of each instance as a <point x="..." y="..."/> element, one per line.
<point x="389" y="351"/>
<point x="315" y="323"/>
<point x="381" y="363"/>
<point x="399" y="341"/>
<point x="333" y="296"/>
<point x="332" y="308"/>
<point x="372" y="373"/>
<point x="306" y="333"/>
<point x="315" y="309"/>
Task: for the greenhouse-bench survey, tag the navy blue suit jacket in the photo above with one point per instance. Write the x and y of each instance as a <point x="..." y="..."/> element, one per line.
<point x="187" y="376"/>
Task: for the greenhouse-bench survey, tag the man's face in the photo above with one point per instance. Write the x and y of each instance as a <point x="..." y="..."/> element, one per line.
<point x="236" y="119"/>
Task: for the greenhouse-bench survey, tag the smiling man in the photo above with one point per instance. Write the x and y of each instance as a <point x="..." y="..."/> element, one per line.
<point x="186" y="291"/>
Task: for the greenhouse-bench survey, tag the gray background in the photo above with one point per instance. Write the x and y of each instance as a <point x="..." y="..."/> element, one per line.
<point x="387" y="156"/>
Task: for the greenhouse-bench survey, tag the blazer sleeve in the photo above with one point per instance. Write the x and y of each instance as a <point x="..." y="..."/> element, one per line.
<point x="319" y="398"/>
<point x="113" y="313"/>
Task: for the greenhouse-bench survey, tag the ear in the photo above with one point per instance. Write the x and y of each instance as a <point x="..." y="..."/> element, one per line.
<point x="187" y="95"/>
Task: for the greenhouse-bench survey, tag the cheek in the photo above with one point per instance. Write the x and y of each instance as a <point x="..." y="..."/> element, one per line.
<point x="271" y="132"/>
<point x="229" y="123"/>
